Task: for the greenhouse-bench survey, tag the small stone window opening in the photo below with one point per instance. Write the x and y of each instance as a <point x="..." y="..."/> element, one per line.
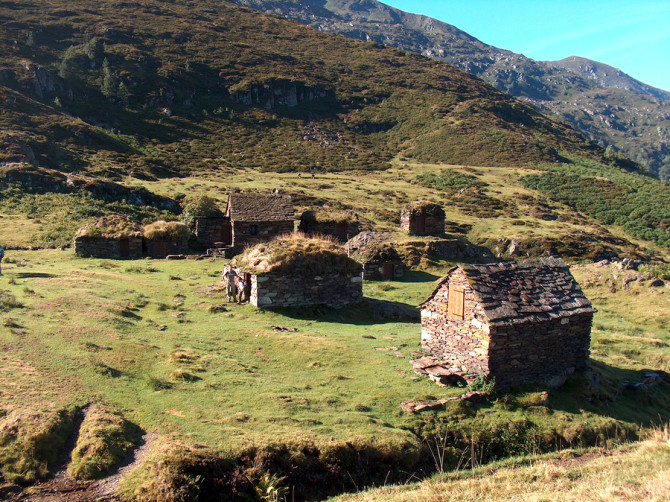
<point x="253" y="229"/>
<point x="456" y="301"/>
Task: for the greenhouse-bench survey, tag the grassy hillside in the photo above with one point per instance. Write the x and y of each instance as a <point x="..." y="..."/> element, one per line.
<point x="631" y="472"/>
<point x="154" y="88"/>
<point x="599" y="101"/>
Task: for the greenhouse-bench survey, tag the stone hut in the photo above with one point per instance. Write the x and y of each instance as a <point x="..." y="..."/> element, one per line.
<point x="163" y="238"/>
<point x="299" y="271"/>
<point x="213" y="231"/>
<point x="249" y="218"/>
<point x="515" y="322"/>
<point x="422" y="218"/>
<point x="109" y="237"/>
<point x="380" y="259"/>
<point x="341" y="225"/>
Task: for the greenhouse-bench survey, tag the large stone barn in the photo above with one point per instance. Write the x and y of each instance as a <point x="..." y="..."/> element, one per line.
<point x="515" y="322"/>
<point x="163" y="238"/>
<point x="250" y="218"/>
<point x="298" y="271"/>
<point x="341" y="225"/>
<point x="422" y="218"/>
<point x="109" y="237"/>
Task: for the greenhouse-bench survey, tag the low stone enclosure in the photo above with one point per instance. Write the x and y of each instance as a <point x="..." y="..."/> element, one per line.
<point x="163" y="238"/>
<point x="516" y="322"/>
<point x="298" y="271"/>
<point x="422" y="218"/>
<point x="109" y="237"/>
<point x="116" y="237"/>
<point x="380" y="260"/>
<point x="341" y="225"/>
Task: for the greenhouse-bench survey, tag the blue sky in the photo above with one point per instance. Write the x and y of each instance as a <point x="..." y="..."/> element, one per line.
<point x="632" y="35"/>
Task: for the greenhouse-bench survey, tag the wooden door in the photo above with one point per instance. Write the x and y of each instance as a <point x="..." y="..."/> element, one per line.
<point x="227" y="233"/>
<point x="420" y="225"/>
<point x="160" y="249"/>
<point x="387" y="271"/>
<point x="341" y="231"/>
<point x="124" y="248"/>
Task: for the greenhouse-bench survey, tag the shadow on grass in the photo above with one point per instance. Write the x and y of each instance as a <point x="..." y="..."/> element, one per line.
<point x="418" y="276"/>
<point x="34" y="275"/>
<point x="640" y="397"/>
<point x="370" y="311"/>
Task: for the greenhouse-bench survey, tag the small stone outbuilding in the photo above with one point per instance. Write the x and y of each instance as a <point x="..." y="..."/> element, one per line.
<point x="341" y="225"/>
<point x="380" y="259"/>
<point x="163" y="238"/>
<point x="515" y="322"/>
<point x="249" y="218"/>
<point x="422" y="218"/>
<point x="298" y="271"/>
<point x="109" y="237"/>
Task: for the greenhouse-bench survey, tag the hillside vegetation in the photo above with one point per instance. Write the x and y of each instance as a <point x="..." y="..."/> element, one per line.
<point x="599" y="101"/>
<point x="631" y="472"/>
<point x="153" y="88"/>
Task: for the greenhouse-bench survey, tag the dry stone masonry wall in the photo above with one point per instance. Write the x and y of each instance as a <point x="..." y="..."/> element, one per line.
<point x="334" y="291"/>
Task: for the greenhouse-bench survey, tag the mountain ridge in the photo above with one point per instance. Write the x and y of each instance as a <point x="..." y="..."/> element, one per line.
<point x="635" y="122"/>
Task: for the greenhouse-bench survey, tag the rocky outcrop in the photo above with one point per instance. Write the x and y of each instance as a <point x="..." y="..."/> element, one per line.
<point x="277" y="93"/>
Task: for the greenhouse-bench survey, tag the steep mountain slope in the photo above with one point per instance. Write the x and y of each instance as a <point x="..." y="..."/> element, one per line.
<point x="603" y="103"/>
<point x="152" y="88"/>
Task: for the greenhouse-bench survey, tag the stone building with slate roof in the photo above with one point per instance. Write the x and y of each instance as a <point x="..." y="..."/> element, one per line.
<point x="516" y="322"/>
<point x="249" y="218"/>
<point x="258" y="218"/>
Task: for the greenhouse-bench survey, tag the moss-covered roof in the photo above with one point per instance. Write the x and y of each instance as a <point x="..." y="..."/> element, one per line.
<point x="423" y="208"/>
<point x="329" y="216"/>
<point x="166" y="230"/>
<point x="110" y="227"/>
<point x="296" y="254"/>
<point x="380" y="252"/>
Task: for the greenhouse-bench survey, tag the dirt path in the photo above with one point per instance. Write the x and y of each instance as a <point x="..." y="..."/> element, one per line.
<point x="62" y="488"/>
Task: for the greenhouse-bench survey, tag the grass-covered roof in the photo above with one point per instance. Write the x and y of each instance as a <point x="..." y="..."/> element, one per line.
<point x="110" y="227"/>
<point x="166" y="230"/>
<point x="424" y="208"/>
<point x="329" y="216"/>
<point x="296" y="254"/>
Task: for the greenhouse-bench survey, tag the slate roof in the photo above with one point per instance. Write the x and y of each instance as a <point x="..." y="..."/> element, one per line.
<point x="526" y="291"/>
<point x="259" y="207"/>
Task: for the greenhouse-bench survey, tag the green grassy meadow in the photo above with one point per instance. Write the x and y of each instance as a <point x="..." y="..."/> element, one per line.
<point x="154" y="344"/>
<point x="156" y="341"/>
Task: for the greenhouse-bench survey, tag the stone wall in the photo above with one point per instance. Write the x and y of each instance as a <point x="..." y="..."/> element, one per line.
<point x="334" y="291"/>
<point x="529" y="352"/>
<point x="382" y="271"/>
<point x="161" y="248"/>
<point x="100" y="247"/>
<point x="340" y="231"/>
<point x="211" y="229"/>
<point x="246" y="234"/>
<point x="463" y="343"/>
<point x="421" y="225"/>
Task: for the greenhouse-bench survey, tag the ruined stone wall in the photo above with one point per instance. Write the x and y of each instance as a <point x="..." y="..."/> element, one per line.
<point x="529" y="352"/>
<point x="335" y="291"/>
<point x="246" y="234"/>
<point x="162" y="248"/>
<point x="210" y="230"/>
<point x="463" y="343"/>
<point x="99" y="247"/>
<point x="410" y="224"/>
<point x="374" y="271"/>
